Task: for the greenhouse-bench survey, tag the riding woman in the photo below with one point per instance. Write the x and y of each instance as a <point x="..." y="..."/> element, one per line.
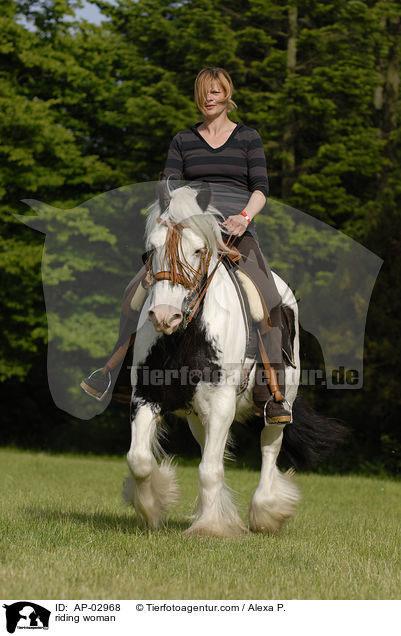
<point x="230" y="157"/>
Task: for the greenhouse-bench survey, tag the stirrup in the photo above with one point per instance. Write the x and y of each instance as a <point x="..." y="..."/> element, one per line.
<point x="91" y="391"/>
<point x="280" y="419"/>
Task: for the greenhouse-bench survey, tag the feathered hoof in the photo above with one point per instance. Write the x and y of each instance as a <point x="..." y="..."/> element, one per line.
<point x="219" y="530"/>
<point x="129" y="491"/>
<point x="268" y="518"/>
<point x="268" y="514"/>
<point x="264" y="521"/>
<point x="152" y="497"/>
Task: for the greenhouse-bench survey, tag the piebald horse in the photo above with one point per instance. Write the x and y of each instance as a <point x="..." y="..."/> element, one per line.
<point x="189" y="359"/>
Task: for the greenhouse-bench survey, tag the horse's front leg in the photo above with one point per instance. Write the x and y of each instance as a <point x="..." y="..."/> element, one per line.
<point x="276" y="496"/>
<point x="151" y="487"/>
<point x="215" y="513"/>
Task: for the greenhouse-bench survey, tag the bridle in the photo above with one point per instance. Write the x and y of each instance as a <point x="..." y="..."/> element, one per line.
<point x="181" y="272"/>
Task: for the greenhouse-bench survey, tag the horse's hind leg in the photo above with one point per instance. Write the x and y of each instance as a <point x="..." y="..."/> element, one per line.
<point x="215" y="513"/>
<point x="151" y="488"/>
<point x="276" y="496"/>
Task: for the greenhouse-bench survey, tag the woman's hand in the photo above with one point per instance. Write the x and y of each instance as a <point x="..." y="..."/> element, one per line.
<point x="236" y="224"/>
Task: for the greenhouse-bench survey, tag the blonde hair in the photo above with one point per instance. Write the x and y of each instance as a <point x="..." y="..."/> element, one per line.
<point x="204" y="81"/>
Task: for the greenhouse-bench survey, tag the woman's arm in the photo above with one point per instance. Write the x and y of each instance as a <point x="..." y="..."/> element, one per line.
<point x="237" y="224"/>
<point x="255" y="204"/>
<point x="258" y="184"/>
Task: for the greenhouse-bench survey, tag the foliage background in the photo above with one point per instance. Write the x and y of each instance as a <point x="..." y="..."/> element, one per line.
<point x="85" y="109"/>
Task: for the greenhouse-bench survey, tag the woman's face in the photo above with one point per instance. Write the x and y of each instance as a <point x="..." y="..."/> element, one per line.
<point x="216" y="101"/>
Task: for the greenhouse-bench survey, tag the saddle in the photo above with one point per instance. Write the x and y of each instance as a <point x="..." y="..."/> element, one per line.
<point x="256" y="317"/>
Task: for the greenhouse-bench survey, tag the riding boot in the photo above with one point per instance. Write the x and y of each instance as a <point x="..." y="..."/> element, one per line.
<point x="269" y="389"/>
<point x="269" y="402"/>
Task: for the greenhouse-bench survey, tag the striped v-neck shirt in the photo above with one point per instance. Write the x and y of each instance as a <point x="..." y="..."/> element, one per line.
<point x="234" y="170"/>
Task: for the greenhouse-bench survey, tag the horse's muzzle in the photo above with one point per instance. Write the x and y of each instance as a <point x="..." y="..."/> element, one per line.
<point x="165" y="318"/>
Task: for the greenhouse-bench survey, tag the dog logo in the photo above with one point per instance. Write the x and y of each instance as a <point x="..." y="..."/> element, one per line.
<point x="26" y="615"/>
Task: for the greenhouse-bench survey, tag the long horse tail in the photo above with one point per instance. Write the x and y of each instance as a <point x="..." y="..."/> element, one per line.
<point x="310" y="437"/>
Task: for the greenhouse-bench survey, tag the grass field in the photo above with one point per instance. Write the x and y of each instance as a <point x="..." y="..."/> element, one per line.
<point x="65" y="533"/>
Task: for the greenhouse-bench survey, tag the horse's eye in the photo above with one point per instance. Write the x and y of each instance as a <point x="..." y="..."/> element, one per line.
<point x="198" y="252"/>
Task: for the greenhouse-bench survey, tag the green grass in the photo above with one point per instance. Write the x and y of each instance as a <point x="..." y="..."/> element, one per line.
<point x="65" y="533"/>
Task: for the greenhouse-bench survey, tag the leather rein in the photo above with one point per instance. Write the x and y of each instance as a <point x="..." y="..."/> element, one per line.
<point x="199" y="283"/>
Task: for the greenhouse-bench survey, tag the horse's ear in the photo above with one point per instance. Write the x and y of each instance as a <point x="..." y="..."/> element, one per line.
<point x="163" y="192"/>
<point x="204" y="195"/>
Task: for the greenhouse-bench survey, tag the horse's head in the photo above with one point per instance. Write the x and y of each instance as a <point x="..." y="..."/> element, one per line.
<point x="181" y="241"/>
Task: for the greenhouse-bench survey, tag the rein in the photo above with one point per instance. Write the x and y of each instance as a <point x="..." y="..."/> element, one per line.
<point x="178" y="273"/>
<point x="209" y="279"/>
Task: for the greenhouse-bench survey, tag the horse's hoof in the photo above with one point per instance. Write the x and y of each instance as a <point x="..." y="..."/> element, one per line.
<point x="216" y="530"/>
